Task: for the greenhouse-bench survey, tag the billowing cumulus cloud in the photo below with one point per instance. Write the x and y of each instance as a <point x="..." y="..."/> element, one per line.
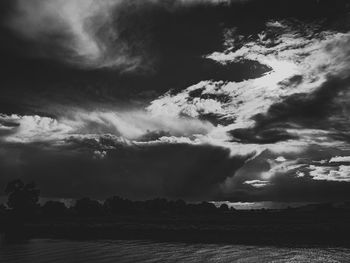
<point x="329" y="173"/>
<point x="131" y="125"/>
<point x="32" y="128"/>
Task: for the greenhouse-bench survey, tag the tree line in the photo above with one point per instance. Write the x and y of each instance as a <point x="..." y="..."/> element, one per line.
<point x="23" y="201"/>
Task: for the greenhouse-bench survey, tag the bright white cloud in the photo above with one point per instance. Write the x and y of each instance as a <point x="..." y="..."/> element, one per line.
<point x="280" y="159"/>
<point x="34" y="128"/>
<point x="129" y="124"/>
<point x="275" y="24"/>
<point x="134" y="124"/>
<point x="257" y="183"/>
<point x="300" y="174"/>
<point x="100" y="154"/>
<point x="183" y="104"/>
<point x="278" y="167"/>
<point x="313" y="59"/>
<point x="330" y="173"/>
<point x="340" y="159"/>
<point x="299" y="64"/>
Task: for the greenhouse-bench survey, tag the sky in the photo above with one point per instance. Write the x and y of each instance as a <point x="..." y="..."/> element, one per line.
<point x="217" y="100"/>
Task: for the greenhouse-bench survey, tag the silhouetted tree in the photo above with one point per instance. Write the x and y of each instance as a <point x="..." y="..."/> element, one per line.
<point x="88" y="207"/>
<point x="180" y="206"/>
<point x="157" y="205"/>
<point x="224" y="208"/>
<point x="22" y="198"/>
<point x="207" y="207"/>
<point x="232" y="209"/>
<point x="202" y="208"/>
<point x="117" y="205"/>
<point x="54" y="208"/>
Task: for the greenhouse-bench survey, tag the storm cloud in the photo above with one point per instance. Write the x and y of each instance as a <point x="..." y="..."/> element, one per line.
<point x="201" y="99"/>
<point x="135" y="171"/>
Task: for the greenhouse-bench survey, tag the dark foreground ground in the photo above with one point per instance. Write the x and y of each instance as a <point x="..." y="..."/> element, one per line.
<point x="289" y="227"/>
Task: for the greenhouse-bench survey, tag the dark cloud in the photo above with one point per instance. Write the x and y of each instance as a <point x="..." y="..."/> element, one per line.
<point x="138" y="172"/>
<point x="292" y="82"/>
<point x="291" y="178"/>
<point x="320" y="110"/>
<point x="310" y="110"/>
<point x="164" y="38"/>
<point x="261" y="136"/>
<point x="153" y="136"/>
<point x="127" y="55"/>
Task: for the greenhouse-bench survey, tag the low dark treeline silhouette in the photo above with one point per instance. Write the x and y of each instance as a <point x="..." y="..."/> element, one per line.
<point x="23" y="217"/>
<point x="23" y="201"/>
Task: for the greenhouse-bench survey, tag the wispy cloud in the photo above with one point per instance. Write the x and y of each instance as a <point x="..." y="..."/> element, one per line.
<point x="206" y="133"/>
<point x="87" y="33"/>
<point x="130" y="125"/>
<point x="301" y="69"/>
<point x="83" y="29"/>
<point x="258" y="183"/>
